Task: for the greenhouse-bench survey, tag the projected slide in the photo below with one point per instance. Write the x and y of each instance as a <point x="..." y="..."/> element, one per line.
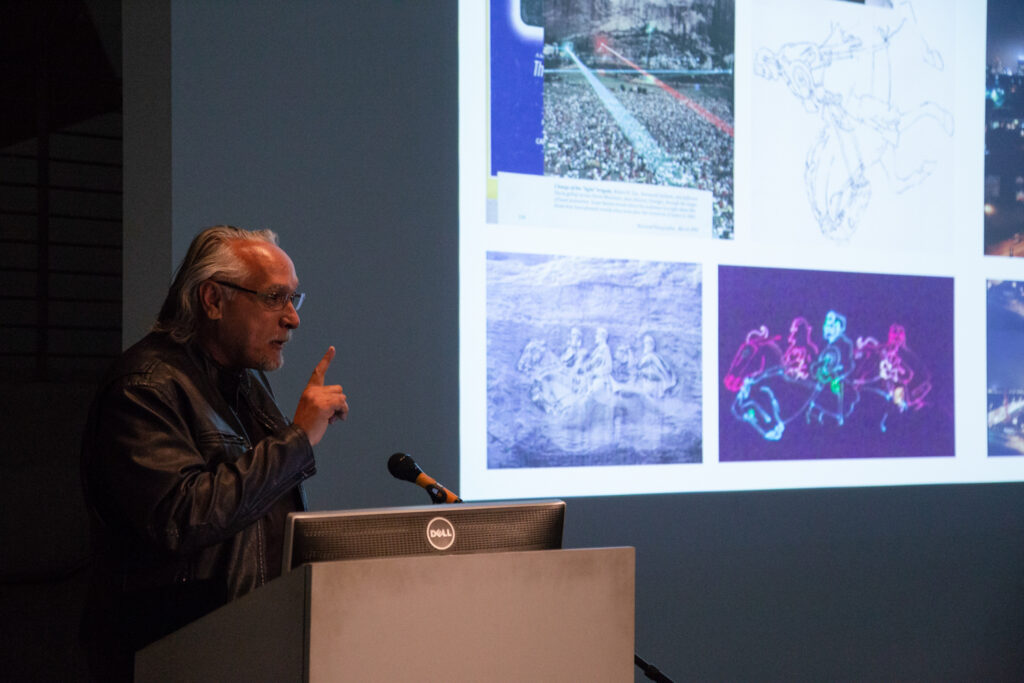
<point x="853" y="136"/>
<point x="1005" y="367"/>
<point x="588" y="99"/>
<point x="1004" y="114"/>
<point x="715" y="245"/>
<point x="592" y="362"/>
<point x="834" y="365"/>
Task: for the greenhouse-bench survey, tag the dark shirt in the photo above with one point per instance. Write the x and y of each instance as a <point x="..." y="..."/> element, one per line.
<point x="237" y="391"/>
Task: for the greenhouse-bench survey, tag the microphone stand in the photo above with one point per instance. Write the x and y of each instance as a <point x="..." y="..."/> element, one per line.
<point x="649" y="670"/>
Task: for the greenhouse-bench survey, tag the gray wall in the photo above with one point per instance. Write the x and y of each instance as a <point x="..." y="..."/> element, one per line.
<point x="334" y="123"/>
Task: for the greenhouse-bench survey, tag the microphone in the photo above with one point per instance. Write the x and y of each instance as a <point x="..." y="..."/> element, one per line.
<point x="401" y="466"/>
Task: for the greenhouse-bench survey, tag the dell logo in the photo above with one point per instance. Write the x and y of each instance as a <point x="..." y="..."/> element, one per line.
<point x="440" y="533"/>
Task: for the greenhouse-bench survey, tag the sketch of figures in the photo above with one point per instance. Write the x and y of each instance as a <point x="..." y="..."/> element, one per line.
<point x="830" y="370"/>
<point x="772" y="390"/>
<point x="558" y="394"/>
<point x="893" y="371"/>
<point x="824" y="391"/>
<point x="850" y="81"/>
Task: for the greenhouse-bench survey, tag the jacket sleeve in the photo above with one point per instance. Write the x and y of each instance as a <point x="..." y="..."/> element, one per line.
<point x="183" y="482"/>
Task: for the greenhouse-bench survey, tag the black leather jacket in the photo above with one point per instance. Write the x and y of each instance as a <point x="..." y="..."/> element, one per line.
<point x="183" y="486"/>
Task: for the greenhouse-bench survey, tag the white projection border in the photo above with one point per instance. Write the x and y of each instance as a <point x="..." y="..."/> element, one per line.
<point x="549" y="298"/>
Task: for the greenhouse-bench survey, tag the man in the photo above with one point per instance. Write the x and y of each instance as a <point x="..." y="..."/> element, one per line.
<point x="189" y="468"/>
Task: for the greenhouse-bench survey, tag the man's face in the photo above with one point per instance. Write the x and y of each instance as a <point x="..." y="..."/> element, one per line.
<point x="248" y="334"/>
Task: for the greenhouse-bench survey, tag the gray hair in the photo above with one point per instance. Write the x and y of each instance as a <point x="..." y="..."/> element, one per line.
<point x="209" y="256"/>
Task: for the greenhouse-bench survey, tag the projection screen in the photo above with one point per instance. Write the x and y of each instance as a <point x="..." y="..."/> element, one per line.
<point x="714" y="245"/>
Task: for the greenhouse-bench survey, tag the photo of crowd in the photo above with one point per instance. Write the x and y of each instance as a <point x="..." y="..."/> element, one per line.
<point x="643" y="93"/>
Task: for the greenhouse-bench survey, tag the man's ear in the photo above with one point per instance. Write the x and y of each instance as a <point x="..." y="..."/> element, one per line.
<point x="211" y="298"/>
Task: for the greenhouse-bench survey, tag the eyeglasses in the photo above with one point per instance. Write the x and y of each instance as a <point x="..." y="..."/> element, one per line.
<point x="275" y="301"/>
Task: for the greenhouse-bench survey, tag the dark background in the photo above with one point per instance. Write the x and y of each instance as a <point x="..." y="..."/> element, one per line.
<point x="335" y="124"/>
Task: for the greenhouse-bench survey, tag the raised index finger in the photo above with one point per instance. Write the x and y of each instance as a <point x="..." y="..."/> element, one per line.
<point x="321" y="368"/>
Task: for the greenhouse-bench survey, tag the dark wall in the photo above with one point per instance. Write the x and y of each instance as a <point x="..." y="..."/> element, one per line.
<point x="335" y="124"/>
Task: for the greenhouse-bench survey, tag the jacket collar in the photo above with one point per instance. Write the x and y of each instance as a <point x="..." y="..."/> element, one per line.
<point x="228" y="382"/>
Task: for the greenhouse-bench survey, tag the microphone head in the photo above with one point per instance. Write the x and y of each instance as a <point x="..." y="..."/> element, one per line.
<point x="401" y="466"/>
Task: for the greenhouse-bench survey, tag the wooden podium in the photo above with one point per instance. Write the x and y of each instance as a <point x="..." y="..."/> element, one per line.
<point x="509" y="616"/>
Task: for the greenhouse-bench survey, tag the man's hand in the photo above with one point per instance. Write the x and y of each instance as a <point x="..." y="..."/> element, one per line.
<point x="320" y="405"/>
